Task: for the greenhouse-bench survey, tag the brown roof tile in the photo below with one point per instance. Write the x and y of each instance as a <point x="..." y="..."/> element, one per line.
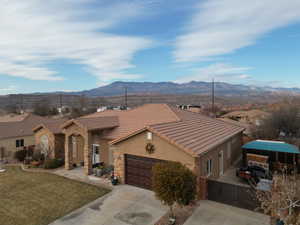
<point x="54" y="126"/>
<point x="94" y="123"/>
<point x="21" y="128"/>
<point x="194" y="132"/>
<point x="137" y="118"/>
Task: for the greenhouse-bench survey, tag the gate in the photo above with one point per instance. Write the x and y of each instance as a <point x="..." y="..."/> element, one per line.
<point x="232" y="194"/>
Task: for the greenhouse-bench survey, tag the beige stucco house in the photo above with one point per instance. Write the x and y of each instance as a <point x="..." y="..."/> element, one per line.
<point x="134" y="140"/>
<point x="17" y="134"/>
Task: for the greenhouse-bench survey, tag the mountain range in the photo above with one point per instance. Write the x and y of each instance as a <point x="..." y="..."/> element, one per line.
<point x="194" y="87"/>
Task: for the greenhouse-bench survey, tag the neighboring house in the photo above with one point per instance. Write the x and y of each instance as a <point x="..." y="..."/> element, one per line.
<point x="246" y="126"/>
<point x="18" y="134"/>
<point x="251" y="117"/>
<point x="133" y="140"/>
<point x="49" y="138"/>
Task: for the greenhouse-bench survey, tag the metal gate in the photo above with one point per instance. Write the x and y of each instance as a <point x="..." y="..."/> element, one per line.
<point x="232" y="194"/>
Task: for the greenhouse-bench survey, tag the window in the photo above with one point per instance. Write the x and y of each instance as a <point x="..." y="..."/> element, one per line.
<point x="149" y="136"/>
<point x="229" y="150"/>
<point x="96" y="153"/>
<point x="209" y="167"/>
<point x="20" y="143"/>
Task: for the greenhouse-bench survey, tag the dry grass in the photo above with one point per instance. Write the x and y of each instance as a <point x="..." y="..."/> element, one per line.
<point x="40" y="198"/>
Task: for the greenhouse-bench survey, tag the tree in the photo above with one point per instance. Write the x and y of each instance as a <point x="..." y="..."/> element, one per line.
<point x="173" y="183"/>
<point x="283" y="200"/>
<point x="283" y="123"/>
<point x="42" y="108"/>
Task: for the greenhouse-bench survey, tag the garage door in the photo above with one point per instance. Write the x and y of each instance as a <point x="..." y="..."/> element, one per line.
<point x="138" y="170"/>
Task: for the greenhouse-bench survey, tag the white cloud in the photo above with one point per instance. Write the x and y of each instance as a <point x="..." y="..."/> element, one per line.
<point x="220" y="72"/>
<point x="220" y="27"/>
<point x="11" y="89"/>
<point x="34" y="35"/>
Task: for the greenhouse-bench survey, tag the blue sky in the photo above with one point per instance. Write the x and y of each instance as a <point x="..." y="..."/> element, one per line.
<point x="70" y="45"/>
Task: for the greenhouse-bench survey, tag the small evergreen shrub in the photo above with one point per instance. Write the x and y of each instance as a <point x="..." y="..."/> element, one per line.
<point x="53" y="163"/>
<point x="20" y="155"/>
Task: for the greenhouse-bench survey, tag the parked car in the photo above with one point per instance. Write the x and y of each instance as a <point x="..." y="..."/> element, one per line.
<point x="252" y="173"/>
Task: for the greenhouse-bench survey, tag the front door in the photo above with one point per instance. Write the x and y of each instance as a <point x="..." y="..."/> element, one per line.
<point x="96" y="153"/>
<point x="221" y="163"/>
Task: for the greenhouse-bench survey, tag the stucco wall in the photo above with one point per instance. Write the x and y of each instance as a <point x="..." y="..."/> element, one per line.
<point x="136" y="146"/>
<point x="236" y="152"/>
<point x="56" y="142"/>
<point x="10" y="148"/>
<point x="104" y="147"/>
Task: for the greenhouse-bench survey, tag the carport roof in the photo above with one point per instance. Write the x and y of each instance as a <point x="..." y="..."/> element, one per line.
<point x="274" y="146"/>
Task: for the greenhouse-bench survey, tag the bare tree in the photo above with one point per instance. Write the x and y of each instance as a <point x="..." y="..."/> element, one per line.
<point x="283" y="200"/>
<point x="283" y="123"/>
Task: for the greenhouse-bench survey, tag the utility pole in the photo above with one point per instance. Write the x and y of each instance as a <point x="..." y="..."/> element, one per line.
<point x="22" y="104"/>
<point x="213" y="98"/>
<point x="60" y="100"/>
<point x="126" y="98"/>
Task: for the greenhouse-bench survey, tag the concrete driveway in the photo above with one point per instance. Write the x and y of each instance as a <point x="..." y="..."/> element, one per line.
<point x="213" y="213"/>
<point x="125" y="205"/>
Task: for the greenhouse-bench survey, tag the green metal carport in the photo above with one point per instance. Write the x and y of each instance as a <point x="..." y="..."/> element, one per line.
<point x="277" y="151"/>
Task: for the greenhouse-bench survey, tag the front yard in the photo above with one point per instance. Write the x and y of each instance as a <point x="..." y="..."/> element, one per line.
<point x="40" y="198"/>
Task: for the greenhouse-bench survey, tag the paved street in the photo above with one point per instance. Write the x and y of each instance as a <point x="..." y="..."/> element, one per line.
<point x="213" y="213"/>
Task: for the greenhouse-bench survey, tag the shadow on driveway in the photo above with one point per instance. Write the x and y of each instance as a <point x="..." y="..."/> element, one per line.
<point x="213" y="213"/>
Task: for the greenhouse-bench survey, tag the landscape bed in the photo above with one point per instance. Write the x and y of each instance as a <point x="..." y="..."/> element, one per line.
<point x="40" y="198"/>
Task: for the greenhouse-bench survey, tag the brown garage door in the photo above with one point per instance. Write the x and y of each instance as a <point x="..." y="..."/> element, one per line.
<point x="138" y="171"/>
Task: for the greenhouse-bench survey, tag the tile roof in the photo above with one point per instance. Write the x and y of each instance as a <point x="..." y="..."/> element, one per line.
<point x="136" y="118"/>
<point x="196" y="136"/>
<point x="94" y="123"/>
<point x="13" y="118"/>
<point x="54" y="126"/>
<point x="21" y="128"/>
<point x="190" y="131"/>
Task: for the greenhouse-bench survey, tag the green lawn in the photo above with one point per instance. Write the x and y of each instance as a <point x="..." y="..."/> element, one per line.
<point x="40" y="198"/>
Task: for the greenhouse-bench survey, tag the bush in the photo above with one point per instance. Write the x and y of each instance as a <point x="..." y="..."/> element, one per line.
<point x="173" y="183"/>
<point x="21" y="155"/>
<point x="38" y="156"/>
<point x="53" y="163"/>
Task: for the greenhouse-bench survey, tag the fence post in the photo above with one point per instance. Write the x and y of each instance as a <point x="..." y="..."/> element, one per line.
<point x="202" y="188"/>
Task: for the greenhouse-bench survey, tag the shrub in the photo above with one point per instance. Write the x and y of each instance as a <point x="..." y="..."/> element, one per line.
<point x="20" y="155"/>
<point x="53" y="163"/>
<point x="38" y="156"/>
<point x="174" y="183"/>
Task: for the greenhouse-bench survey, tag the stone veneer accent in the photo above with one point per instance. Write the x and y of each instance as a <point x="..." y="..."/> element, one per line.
<point x="76" y="130"/>
<point x="119" y="166"/>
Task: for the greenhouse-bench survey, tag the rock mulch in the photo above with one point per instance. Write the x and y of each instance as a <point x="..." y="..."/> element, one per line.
<point x="182" y="214"/>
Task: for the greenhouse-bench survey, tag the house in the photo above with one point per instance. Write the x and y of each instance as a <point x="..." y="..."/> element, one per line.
<point x="251" y="117"/>
<point x="17" y="134"/>
<point x="50" y="139"/>
<point x="135" y="139"/>
<point x="270" y="154"/>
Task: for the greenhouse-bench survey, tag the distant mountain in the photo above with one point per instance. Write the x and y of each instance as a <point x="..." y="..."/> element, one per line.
<point x="221" y="88"/>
